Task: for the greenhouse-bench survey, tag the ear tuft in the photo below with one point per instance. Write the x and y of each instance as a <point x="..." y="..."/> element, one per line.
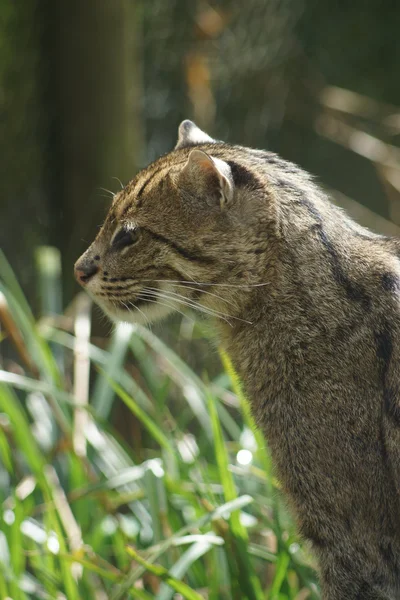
<point x="190" y="135"/>
<point x="208" y="177"/>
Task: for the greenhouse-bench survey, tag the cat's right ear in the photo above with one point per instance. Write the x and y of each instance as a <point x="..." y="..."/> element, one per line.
<point x="191" y="135"/>
<point x="207" y="177"/>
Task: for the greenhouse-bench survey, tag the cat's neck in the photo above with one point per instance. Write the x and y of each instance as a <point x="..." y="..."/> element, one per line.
<point x="291" y="321"/>
<point x="257" y="339"/>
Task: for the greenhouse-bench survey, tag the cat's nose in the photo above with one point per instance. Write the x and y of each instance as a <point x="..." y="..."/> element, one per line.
<point x="85" y="271"/>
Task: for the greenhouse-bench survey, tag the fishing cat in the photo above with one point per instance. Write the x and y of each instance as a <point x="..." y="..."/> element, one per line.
<point x="306" y="303"/>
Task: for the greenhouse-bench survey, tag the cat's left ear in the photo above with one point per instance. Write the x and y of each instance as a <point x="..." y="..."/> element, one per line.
<point x="191" y="135"/>
<point x="209" y="177"/>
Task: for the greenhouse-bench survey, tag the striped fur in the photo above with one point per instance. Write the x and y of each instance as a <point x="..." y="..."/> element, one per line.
<point x="307" y="304"/>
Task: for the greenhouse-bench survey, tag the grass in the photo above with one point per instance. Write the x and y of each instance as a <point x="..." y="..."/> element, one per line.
<point x="186" y="508"/>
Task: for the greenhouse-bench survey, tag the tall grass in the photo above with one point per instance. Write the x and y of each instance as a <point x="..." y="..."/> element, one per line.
<point x="188" y="508"/>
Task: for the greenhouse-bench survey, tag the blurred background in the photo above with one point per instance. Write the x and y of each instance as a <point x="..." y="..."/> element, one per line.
<point x="130" y="465"/>
<point x="92" y="91"/>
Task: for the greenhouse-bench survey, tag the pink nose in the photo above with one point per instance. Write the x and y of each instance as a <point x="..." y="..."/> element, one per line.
<point x="85" y="272"/>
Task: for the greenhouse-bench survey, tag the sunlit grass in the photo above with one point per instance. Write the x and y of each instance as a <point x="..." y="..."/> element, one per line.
<point x="192" y="511"/>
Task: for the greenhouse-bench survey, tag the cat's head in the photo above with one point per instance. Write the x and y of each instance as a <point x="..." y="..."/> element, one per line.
<point x="185" y="232"/>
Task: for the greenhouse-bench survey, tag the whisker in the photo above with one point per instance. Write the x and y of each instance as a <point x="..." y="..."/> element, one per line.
<point x="182" y="281"/>
<point x="119" y="181"/>
<point x="243" y="285"/>
<point x="118" y="300"/>
<point x="154" y="293"/>
<point x="137" y="308"/>
<point x="188" y="275"/>
<point x="188" y="301"/>
<point x="173" y="296"/>
<point x="187" y="287"/>
<point x="213" y="310"/>
<point x="200" y="307"/>
<point x="108" y="191"/>
<point x="171" y="306"/>
<point x="190" y="304"/>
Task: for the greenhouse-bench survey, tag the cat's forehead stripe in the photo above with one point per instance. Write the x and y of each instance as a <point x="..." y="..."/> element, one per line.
<point x="134" y="192"/>
<point x="151" y="182"/>
<point x="148" y="180"/>
<point x="155" y="176"/>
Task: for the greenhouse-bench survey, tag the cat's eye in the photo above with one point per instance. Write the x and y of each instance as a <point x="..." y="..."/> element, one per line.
<point x="125" y="237"/>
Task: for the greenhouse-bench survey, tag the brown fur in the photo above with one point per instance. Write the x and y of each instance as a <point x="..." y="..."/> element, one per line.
<point x="310" y="317"/>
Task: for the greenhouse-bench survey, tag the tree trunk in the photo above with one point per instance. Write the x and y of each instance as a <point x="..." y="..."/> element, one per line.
<point x="97" y="80"/>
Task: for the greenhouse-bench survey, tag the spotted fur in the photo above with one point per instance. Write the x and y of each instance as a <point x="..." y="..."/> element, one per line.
<point x="307" y="304"/>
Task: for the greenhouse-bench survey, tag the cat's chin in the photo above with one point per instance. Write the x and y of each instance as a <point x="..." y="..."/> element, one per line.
<point x="146" y="314"/>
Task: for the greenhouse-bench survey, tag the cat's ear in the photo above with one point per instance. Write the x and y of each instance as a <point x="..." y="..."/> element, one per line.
<point x="190" y="135"/>
<point x="209" y="177"/>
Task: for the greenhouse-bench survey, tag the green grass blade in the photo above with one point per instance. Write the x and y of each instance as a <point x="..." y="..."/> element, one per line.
<point x="280" y="574"/>
<point x="107" y="574"/>
<point x="148" y="423"/>
<point x="36" y="346"/>
<point x="182" y="565"/>
<point x="221" y="512"/>
<point x="248" y="416"/>
<point x="11" y="282"/>
<point x="179" y="371"/>
<point x="50" y="391"/>
<point x="5" y="452"/>
<point x="103" y="392"/>
<point x="3" y="583"/>
<point x="102" y="358"/>
<point x="248" y="581"/>
<point x="10" y="404"/>
<point x="166" y="576"/>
